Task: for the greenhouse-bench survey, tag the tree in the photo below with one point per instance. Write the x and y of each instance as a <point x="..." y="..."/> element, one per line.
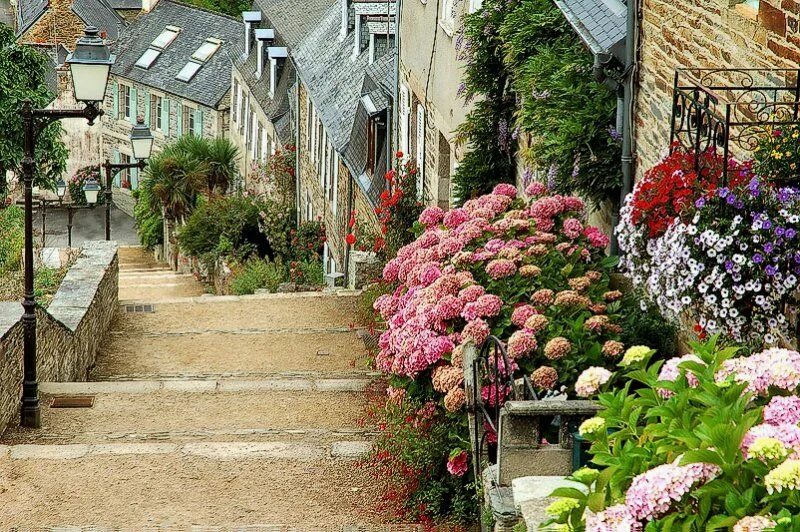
<point x="23" y="76"/>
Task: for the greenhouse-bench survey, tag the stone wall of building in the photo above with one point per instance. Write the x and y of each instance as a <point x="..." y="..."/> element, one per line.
<point x="69" y="331"/>
<point x="704" y="33"/>
<point x="59" y="25"/>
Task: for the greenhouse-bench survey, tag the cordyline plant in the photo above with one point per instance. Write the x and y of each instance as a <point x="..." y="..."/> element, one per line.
<point x="707" y="441"/>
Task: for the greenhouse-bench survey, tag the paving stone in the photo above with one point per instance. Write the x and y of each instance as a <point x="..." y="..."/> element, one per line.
<point x="350" y="449"/>
<point x="340" y="385"/>
<point x="49" y="452"/>
<point x="243" y="450"/>
<point x="133" y="448"/>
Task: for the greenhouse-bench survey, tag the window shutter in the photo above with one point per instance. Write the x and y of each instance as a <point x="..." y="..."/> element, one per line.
<point x="405" y="113"/>
<point x="198" y="123"/>
<point x="335" y="179"/>
<point x="115" y="94"/>
<point x="134" y="105"/>
<point x="179" y="119"/>
<point x="146" y="96"/>
<point x="420" y="153"/>
<point x="165" y="103"/>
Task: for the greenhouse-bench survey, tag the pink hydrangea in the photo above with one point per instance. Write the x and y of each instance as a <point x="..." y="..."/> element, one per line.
<point x="476" y="330"/>
<point x="505" y="189"/>
<point x="590" y="381"/>
<point x="536" y="189"/>
<point x="454" y="218"/>
<point x="458" y="465"/>
<point x="390" y="270"/>
<point x="471" y="293"/>
<point x="449" y="246"/>
<point x="431" y="216"/>
<point x="521" y="314"/>
<point x="652" y="493"/>
<point x="573" y="204"/>
<point x="615" y="518"/>
<point x="572" y="228"/>
<point x="521" y="343"/>
<point x="501" y="268"/>
<point x="486" y="306"/>
<point x="671" y="370"/>
<point x="783" y="410"/>
<point x="773" y="367"/>
<point x="449" y="307"/>
<point x="787" y="433"/>
<point x="597" y="238"/>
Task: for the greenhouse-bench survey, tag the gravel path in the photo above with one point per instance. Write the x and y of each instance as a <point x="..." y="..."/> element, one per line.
<point x="207" y="412"/>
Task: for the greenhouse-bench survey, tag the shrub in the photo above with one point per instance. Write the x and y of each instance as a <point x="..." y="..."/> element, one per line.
<point x="307" y="241"/>
<point x="149" y="222"/>
<point x="12" y="238"/>
<point x="77" y="181"/>
<point x="702" y="442"/>
<point x="307" y="273"/>
<point x="256" y="274"/>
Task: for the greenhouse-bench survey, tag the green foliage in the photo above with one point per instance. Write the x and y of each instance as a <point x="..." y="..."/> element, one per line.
<point x="307" y="241"/>
<point x="643" y="324"/>
<point x="23" y="76"/>
<point x="777" y="153"/>
<point x="258" y="274"/>
<point x="233" y="8"/>
<point x="12" y="238"/>
<point x="307" y="272"/>
<point x="149" y="222"/>
<point x="276" y="176"/>
<point x="224" y="226"/>
<point x="533" y="75"/>
<point x="365" y="312"/>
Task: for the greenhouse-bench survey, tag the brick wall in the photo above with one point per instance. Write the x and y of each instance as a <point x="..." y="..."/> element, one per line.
<point x="704" y="33"/>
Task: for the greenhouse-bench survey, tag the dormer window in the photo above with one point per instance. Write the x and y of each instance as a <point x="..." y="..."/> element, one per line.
<point x="188" y="71"/>
<point x="147" y="58"/>
<point x="249" y="18"/>
<point x="166" y="37"/>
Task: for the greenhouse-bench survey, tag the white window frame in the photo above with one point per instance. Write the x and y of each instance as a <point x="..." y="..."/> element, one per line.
<point x="405" y="116"/>
<point x="475" y="5"/>
<point x="420" y="155"/>
<point x="447" y="20"/>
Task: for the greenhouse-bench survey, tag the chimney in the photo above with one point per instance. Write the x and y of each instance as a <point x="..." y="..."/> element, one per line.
<point x="276" y="54"/>
<point x="345" y="7"/>
<point x="250" y="18"/>
<point x="357" y="38"/>
<point x="263" y="35"/>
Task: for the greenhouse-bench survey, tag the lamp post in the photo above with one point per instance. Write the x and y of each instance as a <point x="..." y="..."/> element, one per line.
<point x="141" y="146"/>
<point x="90" y="65"/>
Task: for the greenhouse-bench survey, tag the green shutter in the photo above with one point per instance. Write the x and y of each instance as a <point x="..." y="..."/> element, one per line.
<point x="179" y="119"/>
<point x="165" y="103"/>
<point x="146" y="96"/>
<point x="198" y="123"/>
<point x="118" y="176"/>
<point x="134" y="105"/>
<point x="115" y="93"/>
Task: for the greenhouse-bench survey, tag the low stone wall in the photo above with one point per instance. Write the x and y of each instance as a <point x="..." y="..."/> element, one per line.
<point x="68" y="332"/>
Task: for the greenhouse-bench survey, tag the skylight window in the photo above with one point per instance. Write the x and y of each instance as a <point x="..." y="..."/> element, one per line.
<point x="206" y="50"/>
<point x="147" y="58"/>
<point x="166" y="37"/>
<point x="188" y="71"/>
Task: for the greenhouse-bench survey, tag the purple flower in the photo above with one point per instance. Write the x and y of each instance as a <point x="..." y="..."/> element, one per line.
<point x="731" y="199"/>
<point x="739" y="204"/>
<point x="790" y="233"/>
<point x="615" y="135"/>
<point x="780" y="231"/>
<point x="766" y="224"/>
<point x="728" y="265"/>
<point x="552" y="173"/>
<point x="769" y="247"/>
<point x="771" y="270"/>
<point x="700" y="203"/>
<point x="757" y="258"/>
<point x="723" y="192"/>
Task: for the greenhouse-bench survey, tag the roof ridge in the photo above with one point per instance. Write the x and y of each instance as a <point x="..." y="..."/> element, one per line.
<point x="205" y="9"/>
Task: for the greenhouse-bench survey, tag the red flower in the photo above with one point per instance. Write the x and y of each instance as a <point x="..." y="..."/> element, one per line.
<point x="350" y="239"/>
<point x="399" y="154"/>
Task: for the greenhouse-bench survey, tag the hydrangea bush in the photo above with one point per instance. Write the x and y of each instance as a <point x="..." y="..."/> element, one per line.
<point x="707" y="441"/>
<point x="723" y="256"/>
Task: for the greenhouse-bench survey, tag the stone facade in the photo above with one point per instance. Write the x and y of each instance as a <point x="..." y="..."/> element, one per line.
<point x="68" y="333"/>
<point x="59" y="25"/>
<point x="704" y="33"/>
<point x="333" y="208"/>
<point x="431" y="96"/>
<point x="116" y="128"/>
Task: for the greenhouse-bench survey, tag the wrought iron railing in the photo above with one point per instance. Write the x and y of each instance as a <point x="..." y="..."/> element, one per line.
<point x="730" y="109"/>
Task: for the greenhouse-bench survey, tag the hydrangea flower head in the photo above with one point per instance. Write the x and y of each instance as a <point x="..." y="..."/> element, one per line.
<point x="561" y="506"/>
<point x="652" y="493"/>
<point x="586" y="475"/>
<point x="782" y="410"/>
<point x="784" y="477"/>
<point x="635" y="354"/>
<point x="767" y="449"/>
<point x="755" y="523"/>
<point x="615" y="518"/>
<point x="590" y="381"/>
<point x="591" y="426"/>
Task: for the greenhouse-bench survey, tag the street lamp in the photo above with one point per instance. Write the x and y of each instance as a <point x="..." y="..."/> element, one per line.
<point x="90" y="189"/>
<point x="90" y="65"/>
<point x="61" y="189"/>
<point x="141" y="146"/>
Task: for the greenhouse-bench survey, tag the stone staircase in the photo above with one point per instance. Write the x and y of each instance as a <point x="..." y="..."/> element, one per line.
<point x="208" y="413"/>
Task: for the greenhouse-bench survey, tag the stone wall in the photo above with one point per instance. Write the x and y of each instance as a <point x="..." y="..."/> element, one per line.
<point x="704" y="33"/>
<point x="68" y="332"/>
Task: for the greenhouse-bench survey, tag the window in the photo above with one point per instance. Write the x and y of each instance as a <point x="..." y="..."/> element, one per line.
<point x="448" y="18"/>
<point x="125" y="101"/>
<point x="188" y="71"/>
<point x="125" y="175"/>
<point x="240" y="105"/>
<point x="147" y="58"/>
<point x="235" y="96"/>
<point x="157" y="112"/>
<point x="206" y="50"/>
<point x="405" y="113"/>
<point x="188" y="120"/>
<point x="371" y="138"/>
<point x="475" y="5"/>
<point x="166" y="37"/>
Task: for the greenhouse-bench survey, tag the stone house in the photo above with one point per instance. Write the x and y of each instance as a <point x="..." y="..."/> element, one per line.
<point x="704" y="33"/>
<point x="429" y="109"/>
<point x="61" y="22"/>
<point x="173" y="70"/>
<point x="325" y="85"/>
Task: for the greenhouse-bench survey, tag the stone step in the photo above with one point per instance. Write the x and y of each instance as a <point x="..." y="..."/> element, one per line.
<point x="202" y="484"/>
<point x="319" y="383"/>
<point x="227" y="351"/>
<point x="153" y="274"/>
<point x="188" y="527"/>
<point x="237" y="313"/>
<point x="156" y="292"/>
<point x="194" y="407"/>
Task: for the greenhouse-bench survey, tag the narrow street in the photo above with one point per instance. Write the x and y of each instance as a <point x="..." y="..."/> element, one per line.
<point x="208" y="412"/>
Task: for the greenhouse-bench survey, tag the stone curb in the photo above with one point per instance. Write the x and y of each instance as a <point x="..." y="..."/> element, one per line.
<point x="208" y="298"/>
<point x="202" y="386"/>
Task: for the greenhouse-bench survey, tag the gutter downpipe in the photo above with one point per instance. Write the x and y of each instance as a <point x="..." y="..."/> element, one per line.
<point x="627" y="117"/>
<point x="396" y="104"/>
<point x="297" y="152"/>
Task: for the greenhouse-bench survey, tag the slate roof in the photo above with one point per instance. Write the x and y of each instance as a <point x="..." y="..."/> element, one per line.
<point x="100" y="14"/>
<point x="126" y="4"/>
<point x="333" y="80"/>
<point x="28" y="12"/>
<point x="97" y="13"/>
<point x="212" y="82"/>
<point x="601" y="24"/>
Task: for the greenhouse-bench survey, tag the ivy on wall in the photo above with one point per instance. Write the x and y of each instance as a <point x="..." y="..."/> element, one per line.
<point x="529" y="72"/>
